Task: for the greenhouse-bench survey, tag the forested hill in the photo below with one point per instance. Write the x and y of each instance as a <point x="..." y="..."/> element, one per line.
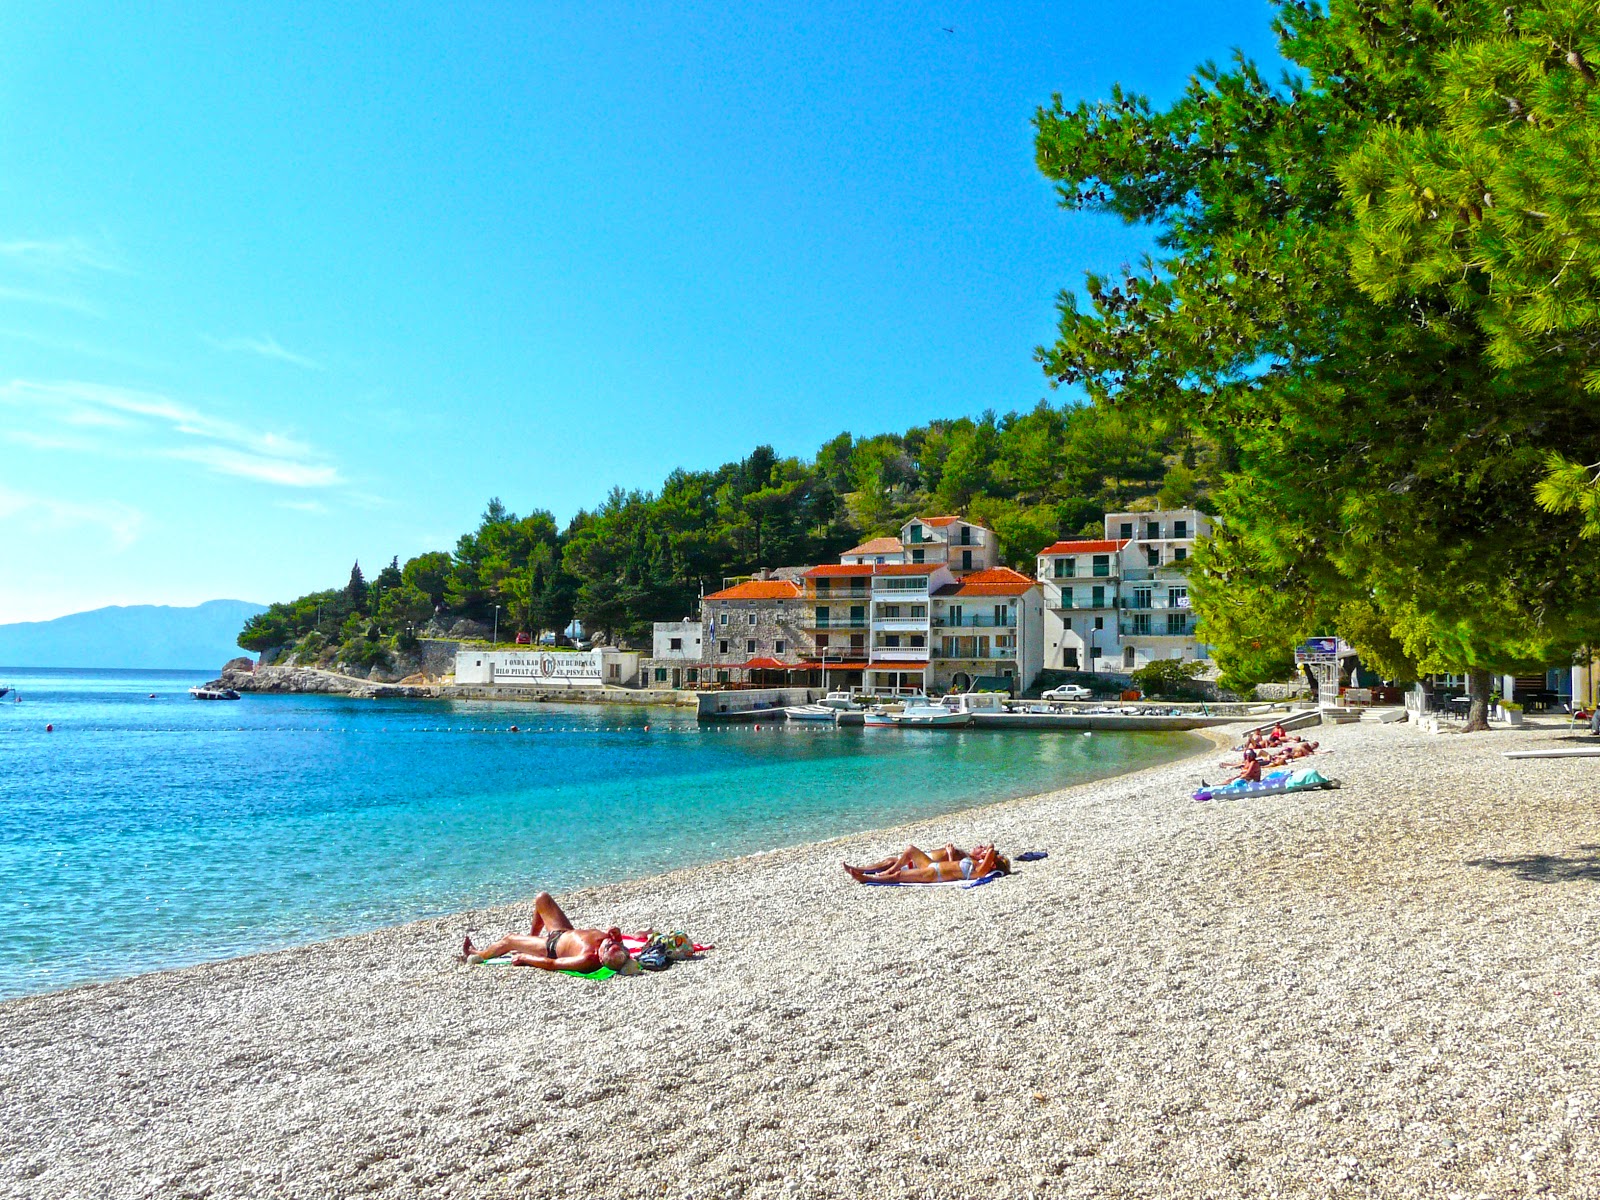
<point x="646" y="556"/>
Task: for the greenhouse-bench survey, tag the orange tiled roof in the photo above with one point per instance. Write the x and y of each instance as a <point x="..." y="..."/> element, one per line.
<point x="758" y="589"/>
<point x="906" y="568"/>
<point x="996" y="581"/>
<point x="1102" y="546"/>
<point x="829" y="569"/>
<point x="883" y="545"/>
<point x="938" y="522"/>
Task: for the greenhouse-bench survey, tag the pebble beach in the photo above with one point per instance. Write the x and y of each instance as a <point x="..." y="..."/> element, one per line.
<point x="1391" y="989"/>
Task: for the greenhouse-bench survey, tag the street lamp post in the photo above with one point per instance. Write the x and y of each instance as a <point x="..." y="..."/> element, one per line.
<point x="496" y="639"/>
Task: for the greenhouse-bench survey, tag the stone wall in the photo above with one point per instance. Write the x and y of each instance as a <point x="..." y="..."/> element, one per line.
<point x="775" y="621"/>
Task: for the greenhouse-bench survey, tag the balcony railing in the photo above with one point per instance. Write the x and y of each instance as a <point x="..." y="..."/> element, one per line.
<point x="1156" y="629"/>
<point x="1168" y="570"/>
<point x="899" y="585"/>
<point x="833" y="623"/>
<point x="946" y="622"/>
<point x="899" y="653"/>
<point x="991" y="653"/>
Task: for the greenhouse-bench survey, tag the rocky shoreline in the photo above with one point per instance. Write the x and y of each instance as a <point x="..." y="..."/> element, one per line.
<point x="1385" y="990"/>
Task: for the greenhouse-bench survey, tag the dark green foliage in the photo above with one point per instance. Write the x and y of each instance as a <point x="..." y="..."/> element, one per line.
<point x="642" y="557"/>
<point x="1171" y="678"/>
<point x="355" y="592"/>
<point x="1371" y="442"/>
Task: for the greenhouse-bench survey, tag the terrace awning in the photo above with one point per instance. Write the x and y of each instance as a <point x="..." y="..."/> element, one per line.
<point x="765" y="664"/>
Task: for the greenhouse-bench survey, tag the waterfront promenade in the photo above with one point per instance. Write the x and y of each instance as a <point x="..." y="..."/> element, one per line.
<point x="1389" y="990"/>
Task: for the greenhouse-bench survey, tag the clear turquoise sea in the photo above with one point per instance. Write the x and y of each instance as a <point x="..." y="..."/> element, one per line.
<point x="150" y="830"/>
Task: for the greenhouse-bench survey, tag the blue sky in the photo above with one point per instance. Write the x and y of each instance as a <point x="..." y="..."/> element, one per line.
<point x="286" y="285"/>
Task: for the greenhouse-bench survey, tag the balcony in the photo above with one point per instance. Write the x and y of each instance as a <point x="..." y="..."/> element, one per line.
<point x="899" y="585"/>
<point x="945" y="622"/>
<point x="900" y="654"/>
<point x="1156" y="629"/>
<point x="833" y="623"/>
<point x="840" y="594"/>
<point x="991" y="654"/>
<point x="1172" y="570"/>
<point x="901" y="624"/>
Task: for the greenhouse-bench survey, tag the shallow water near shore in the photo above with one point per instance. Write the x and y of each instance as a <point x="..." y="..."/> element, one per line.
<point x="148" y="832"/>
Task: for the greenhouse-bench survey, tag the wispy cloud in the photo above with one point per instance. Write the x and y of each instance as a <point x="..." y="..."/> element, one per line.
<point x="63" y="256"/>
<point x="305" y="506"/>
<point x="135" y="423"/>
<point x="120" y="522"/>
<point x="68" y="301"/>
<point x="266" y="346"/>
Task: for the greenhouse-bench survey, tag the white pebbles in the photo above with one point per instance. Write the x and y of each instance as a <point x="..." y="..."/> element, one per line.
<point x="1387" y="990"/>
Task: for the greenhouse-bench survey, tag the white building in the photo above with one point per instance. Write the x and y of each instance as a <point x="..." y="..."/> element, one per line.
<point x="987" y="624"/>
<point x="958" y="544"/>
<point x="1122" y="601"/>
<point x="548" y="669"/>
<point x="676" y="641"/>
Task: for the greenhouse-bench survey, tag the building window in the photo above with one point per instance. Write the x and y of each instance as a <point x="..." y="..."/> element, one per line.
<point x="822" y="641"/>
<point x="891" y="640"/>
<point x="777" y="647"/>
<point x="1141" y="597"/>
<point x="1141" y="624"/>
<point x="1176" y="624"/>
<point x="724" y="616"/>
<point x="1068" y="624"/>
<point x="917" y="554"/>
<point x="751" y="619"/>
<point x="1066" y="568"/>
<point x="1102" y="566"/>
<point x="692" y="675"/>
<point x="1153" y="556"/>
<point x="891" y="610"/>
<point x="1099" y="622"/>
<point x="823" y="585"/>
<point x="822" y="616"/>
<point x="966" y="536"/>
<point x="1180" y="554"/>
<point x="1180" y="529"/>
<point x="1127" y="529"/>
<point x="916" y="534"/>
<point x="1153" y="530"/>
<point x="675" y="643"/>
<point x="661" y="674"/>
<point x="918" y="641"/>
<point x="750" y="645"/>
<point x="1177" y="597"/>
<point x="1099" y="599"/>
<point x="722" y="677"/>
<point x="722" y="646"/>
<point x="858" y="643"/>
<point x="966" y="560"/>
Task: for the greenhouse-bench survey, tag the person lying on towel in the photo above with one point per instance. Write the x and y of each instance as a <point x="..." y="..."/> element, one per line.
<point x="945" y="865"/>
<point x="554" y="945"/>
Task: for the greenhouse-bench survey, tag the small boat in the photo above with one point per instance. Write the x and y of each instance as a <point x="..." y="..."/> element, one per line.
<point x="839" y="702"/>
<point x="812" y="712"/>
<point x="919" y="716"/>
<point x="209" y="692"/>
<point x="4" y="691"/>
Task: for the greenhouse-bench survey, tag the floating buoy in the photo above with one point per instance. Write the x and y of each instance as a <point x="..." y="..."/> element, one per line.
<point x="49" y="728"/>
<point x="152" y="695"/>
<point x="513" y="729"/>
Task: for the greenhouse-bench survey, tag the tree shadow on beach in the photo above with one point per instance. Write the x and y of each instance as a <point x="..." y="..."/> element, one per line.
<point x="1582" y="863"/>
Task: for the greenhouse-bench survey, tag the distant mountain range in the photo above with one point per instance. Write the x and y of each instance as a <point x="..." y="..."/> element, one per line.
<point x="151" y="636"/>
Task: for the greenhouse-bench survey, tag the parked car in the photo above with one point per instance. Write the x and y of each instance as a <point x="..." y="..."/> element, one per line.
<point x="523" y="639"/>
<point x="1068" y="691"/>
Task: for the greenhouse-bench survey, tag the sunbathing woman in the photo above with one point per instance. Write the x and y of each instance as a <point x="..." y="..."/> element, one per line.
<point x="554" y="945"/>
<point x="913" y="857"/>
<point x="982" y="861"/>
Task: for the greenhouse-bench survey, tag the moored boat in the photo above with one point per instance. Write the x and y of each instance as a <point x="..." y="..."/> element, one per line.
<point x="209" y="692"/>
<point x="812" y="712"/>
<point x="919" y="716"/>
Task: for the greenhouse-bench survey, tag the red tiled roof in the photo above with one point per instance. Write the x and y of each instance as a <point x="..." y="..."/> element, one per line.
<point x="883" y="545"/>
<point x="1103" y="546"/>
<point x="906" y="568"/>
<point x="938" y="522"/>
<point x="758" y="589"/>
<point x="828" y="569"/>
<point x="996" y="581"/>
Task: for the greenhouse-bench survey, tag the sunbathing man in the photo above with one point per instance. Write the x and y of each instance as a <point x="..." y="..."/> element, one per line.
<point x="554" y="945"/>
<point x="982" y="861"/>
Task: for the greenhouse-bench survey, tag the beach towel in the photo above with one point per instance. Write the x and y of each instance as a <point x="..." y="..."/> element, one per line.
<point x="1025" y="856"/>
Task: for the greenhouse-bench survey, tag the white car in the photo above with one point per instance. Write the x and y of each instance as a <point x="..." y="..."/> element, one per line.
<point x="1068" y="691"/>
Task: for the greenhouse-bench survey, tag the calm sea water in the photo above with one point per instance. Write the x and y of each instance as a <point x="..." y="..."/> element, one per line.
<point x="150" y="830"/>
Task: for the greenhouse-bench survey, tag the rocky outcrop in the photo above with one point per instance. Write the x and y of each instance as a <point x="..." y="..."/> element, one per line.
<point x="312" y="681"/>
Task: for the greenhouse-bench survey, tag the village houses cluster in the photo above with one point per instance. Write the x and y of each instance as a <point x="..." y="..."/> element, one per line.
<point x="933" y="610"/>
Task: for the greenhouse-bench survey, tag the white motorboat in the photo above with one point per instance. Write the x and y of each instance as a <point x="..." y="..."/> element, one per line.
<point x="812" y="712"/>
<point x="208" y="692"/>
<point x="840" y="702"/>
<point x="919" y="716"/>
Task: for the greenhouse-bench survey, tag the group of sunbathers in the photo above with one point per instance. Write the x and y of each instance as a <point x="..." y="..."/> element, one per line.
<point x="1267" y="751"/>
<point x="554" y="944"/>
